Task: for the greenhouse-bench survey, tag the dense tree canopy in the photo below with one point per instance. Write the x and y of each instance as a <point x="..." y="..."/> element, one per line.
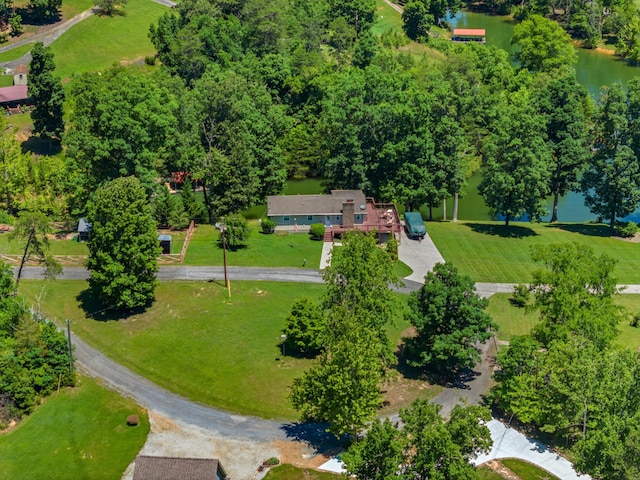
<point x="47" y="94"/>
<point x="544" y="45"/>
<point x="123" y="249"/>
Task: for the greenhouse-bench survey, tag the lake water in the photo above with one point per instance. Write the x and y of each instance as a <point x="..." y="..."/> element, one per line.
<point x="594" y="69"/>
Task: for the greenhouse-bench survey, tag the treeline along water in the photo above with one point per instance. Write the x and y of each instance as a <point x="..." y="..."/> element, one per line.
<point x="594" y="69"/>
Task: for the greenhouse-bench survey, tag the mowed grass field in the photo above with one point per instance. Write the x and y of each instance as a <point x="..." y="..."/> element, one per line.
<point x="386" y="19"/>
<point x="491" y="252"/>
<point x="79" y="433"/>
<point x="197" y="343"/>
<point x="516" y="321"/>
<point x="273" y="250"/>
<point x="98" y="42"/>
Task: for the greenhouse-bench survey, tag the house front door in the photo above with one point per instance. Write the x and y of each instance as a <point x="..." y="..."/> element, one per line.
<point x="327" y="220"/>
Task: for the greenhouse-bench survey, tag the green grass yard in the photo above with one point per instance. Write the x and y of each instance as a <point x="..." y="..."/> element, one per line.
<point x="491" y="252"/>
<point x="78" y="433"/>
<point x="386" y="19"/>
<point x="515" y="321"/>
<point x="57" y="247"/>
<point x="98" y="42"/>
<point x="273" y="250"/>
<point x="526" y="470"/>
<point x="290" y="472"/>
<point x="195" y="342"/>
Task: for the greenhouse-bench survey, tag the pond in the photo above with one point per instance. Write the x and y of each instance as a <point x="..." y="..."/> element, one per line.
<point x="594" y="69"/>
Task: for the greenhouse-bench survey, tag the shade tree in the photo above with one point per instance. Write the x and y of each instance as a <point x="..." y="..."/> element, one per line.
<point x="47" y="94"/>
<point x="124" y="249"/>
<point x="450" y="321"/>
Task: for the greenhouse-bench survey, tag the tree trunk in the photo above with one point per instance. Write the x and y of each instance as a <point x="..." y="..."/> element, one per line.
<point x="456" y="198"/>
<point x="444" y="209"/>
<point x="506" y="220"/>
<point x="554" y="214"/>
<point x="25" y="254"/>
<point x="207" y="202"/>
<point x="612" y="222"/>
<point x="430" y="212"/>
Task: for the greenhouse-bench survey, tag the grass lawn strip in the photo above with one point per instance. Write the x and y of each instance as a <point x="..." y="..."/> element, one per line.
<point x="490" y="252"/>
<point x="515" y="321"/>
<point x="289" y="472"/>
<point x="194" y="342"/>
<point x="80" y="433"/>
<point x="526" y="470"/>
<point x="98" y="42"/>
<point x="281" y="249"/>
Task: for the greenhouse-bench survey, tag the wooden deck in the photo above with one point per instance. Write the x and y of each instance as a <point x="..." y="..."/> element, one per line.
<point x="383" y="218"/>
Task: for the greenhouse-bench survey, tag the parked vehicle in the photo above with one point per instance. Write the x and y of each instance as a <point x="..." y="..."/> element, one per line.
<point x="414" y="225"/>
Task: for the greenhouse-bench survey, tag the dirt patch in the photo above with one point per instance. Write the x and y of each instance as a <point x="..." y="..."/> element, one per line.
<point x="501" y="470"/>
<point x="634" y="239"/>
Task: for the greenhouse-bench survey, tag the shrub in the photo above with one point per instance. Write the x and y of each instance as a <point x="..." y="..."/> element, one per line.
<point x="304" y="326"/>
<point x="627" y="229"/>
<point x="236" y="230"/>
<point x="392" y="248"/>
<point x="272" y="461"/>
<point x="150" y="60"/>
<point x="635" y="320"/>
<point x="16" y="25"/>
<point x="520" y="296"/>
<point x="317" y="230"/>
<point x="268" y="225"/>
<point x="8" y="219"/>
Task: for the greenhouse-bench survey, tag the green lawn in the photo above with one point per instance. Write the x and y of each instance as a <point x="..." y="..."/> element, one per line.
<point x="80" y="433"/>
<point x="485" y="473"/>
<point x="289" y="472"/>
<point x="386" y="19"/>
<point x="57" y="247"/>
<point x="527" y="471"/>
<point x="99" y="41"/>
<point x="490" y="252"/>
<point x="196" y="343"/>
<point x="515" y="321"/>
<point x="6" y="80"/>
<point x="15" y="53"/>
<point x="274" y="250"/>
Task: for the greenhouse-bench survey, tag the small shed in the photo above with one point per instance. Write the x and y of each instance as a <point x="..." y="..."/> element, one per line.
<point x="165" y="243"/>
<point x="469" y="35"/>
<point x="20" y="75"/>
<point x="171" y="468"/>
<point x="84" y="230"/>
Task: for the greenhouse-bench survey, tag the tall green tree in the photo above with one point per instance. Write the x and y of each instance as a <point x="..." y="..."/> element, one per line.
<point x="516" y="178"/>
<point x="360" y="14"/>
<point x="544" y="45"/>
<point x="450" y="320"/>
<point x="123" y="123"/>
<point x="562" y="102"/>
<point x="426" y="446"/>
<point x="416" y="19"/>
<point x="123" y="250"/>
<point x="574" y="294"/>
<point x="358" y="282"/>
<point x="343" y="386"/>
<point x="47" y="94"/>
<point x="611" y="184"/>
<point x="230" y="147"/>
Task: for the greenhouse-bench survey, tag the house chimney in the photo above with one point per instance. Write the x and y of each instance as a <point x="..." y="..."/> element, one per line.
<point x="348" y="213"/>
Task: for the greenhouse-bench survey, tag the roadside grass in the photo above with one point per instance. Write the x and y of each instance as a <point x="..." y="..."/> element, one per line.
<point x="491" y="252"/>
<point x="98" y="42"/>
<point x="515" y="321"/>
<point x="289" y="472"/>
<point x="281" y="249"/>
<point x="15" y="53"/>
<point x="197" y="343"/>
<point x="526" y="470"/>
<point x="71" y="8"/>
<point x="402" y="270"/>
<point x="386" y="19"/>
<point x="79" y="433"/>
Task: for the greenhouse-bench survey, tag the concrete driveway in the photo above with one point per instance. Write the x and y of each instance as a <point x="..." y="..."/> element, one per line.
<point x="509" y="443"/>
<point x="421" y="256"/>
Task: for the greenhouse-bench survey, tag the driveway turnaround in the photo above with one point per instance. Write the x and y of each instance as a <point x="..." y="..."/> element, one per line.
<point x="509" y="443"/>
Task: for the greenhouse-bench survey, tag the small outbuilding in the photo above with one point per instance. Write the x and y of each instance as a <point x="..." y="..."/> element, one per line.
<point x="172" y="468"/>
<point x="165" y="243"/>
<point x="84" y="230"/>
<point x="20" y="75"/>
<point x="469" y="35"/>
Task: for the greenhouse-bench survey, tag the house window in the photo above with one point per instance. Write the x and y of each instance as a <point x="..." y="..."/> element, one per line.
<point x="286" y="218"/>
<point x="357" y="216"/>
<point x="337" y="217"/>
<point x="310" y="217"/>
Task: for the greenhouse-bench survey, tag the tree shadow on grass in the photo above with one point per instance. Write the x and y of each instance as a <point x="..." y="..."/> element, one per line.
<point x="512" y="231"/>
<point x="588" y="229"/>
<point x="315" y="436"/>
<point x="41" y="146"/>
<point x="96" y="310"/>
